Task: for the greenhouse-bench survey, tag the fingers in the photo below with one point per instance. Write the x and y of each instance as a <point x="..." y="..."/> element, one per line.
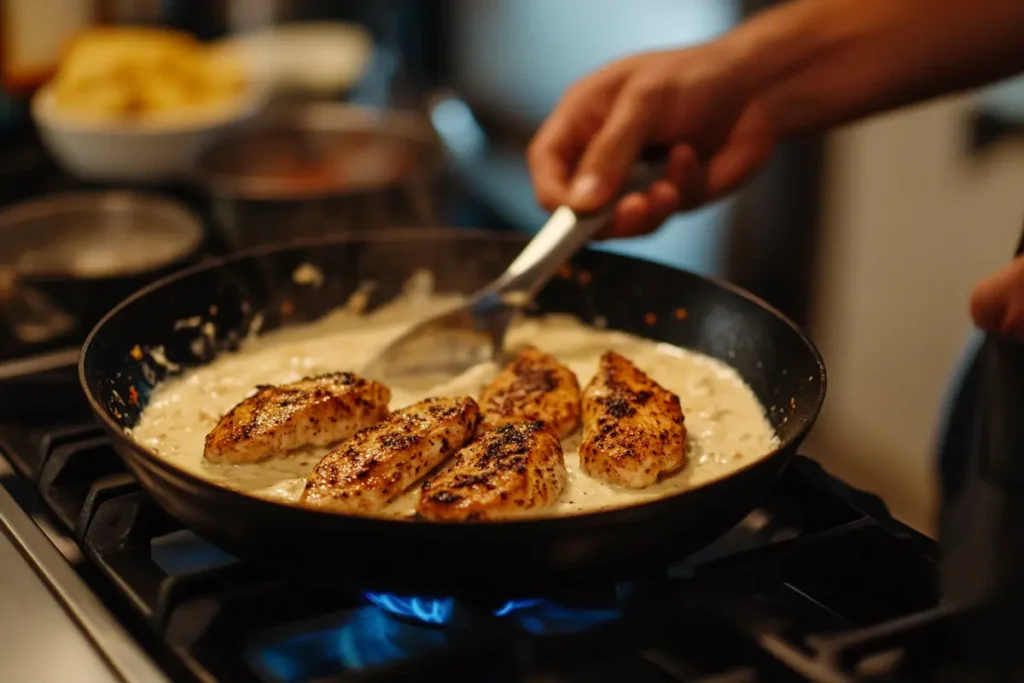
<point x="605" y="127"/>
<point x="747" y="149"/>
<point x="612" y="151"/>
<point x="643" y="212"/>
<point x="551" y="160"/>
<point x="555" y="150"/>
<point x="628" y="217"/>
<point x="639" y="213"/>
<point x="997" y="303"/>
<point x="688" y="174"/>
<point x="610" y="155"/>
<point x="690" y="183"/>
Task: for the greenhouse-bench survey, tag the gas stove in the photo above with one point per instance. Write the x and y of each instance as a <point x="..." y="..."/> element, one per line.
<point x="98" y="584"/>
<point x="817" y="584"/>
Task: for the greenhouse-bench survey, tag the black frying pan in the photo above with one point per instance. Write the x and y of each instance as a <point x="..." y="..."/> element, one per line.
<point x="527" y="557"/>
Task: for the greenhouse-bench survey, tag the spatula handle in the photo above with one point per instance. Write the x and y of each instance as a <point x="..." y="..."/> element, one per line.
<point x="567" y="231"/>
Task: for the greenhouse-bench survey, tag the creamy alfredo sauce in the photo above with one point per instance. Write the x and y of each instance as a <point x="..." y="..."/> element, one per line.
<point x="726" y="424"/>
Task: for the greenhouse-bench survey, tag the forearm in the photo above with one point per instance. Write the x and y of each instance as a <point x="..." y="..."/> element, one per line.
<point x="819" y="63"/>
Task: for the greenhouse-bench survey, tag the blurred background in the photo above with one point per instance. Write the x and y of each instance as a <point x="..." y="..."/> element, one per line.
<point x="276" y="118"/>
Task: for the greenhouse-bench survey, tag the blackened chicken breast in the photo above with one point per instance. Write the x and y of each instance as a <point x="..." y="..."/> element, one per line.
<point x="533" y="388"/>
<point x="378" y="464"/>
<point x="509" y="471"/>
<point x="316" y="411"/>
<point x="633" y="429"/>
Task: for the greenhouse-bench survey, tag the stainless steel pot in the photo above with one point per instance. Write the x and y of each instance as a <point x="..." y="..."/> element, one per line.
<point x="318" y="169"/>
<point x="66" y="259"/>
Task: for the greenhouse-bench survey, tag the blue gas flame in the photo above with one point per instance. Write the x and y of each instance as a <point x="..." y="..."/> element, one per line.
<point x="354" y="640"/>
<point x="426" y="610"/>
<point x="533" y="615"/>
<point x="368" y="636"/>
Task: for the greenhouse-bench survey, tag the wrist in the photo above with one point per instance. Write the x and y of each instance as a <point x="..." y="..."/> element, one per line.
<point x="779" y="44"/>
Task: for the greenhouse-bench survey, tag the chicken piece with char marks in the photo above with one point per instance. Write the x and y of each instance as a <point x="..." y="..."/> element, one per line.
<point x="633" y="429"/>
<point x="315" y="411"/>
<point x="509" y="471"/>
<point x="378" y="464"/>
<point x="535" y="387"/>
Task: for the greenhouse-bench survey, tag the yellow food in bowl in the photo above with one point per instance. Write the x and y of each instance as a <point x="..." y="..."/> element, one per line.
<point x="146" y="74"/>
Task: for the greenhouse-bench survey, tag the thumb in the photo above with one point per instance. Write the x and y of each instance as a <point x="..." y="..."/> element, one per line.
<point x="997" y="303"/>
<point x="612" y="151"/>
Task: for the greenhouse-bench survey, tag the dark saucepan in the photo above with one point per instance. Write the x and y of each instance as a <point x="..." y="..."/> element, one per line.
<point x="513" y="557"/>
<point x="319" y="169"/>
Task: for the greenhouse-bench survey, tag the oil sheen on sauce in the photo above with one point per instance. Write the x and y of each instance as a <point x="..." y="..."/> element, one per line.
<point x="726" y="424"/>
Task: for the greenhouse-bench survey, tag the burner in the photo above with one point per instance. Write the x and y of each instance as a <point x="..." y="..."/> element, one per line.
<point x="552" y="618"/>
<point x="393" y="629"/>
<point x="534" y="615"/>
<point x="356" y="640"/>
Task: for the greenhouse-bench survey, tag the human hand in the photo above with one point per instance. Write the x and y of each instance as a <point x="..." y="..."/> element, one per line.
<point x="693" y="101"/>
<point x="997" y="303"/>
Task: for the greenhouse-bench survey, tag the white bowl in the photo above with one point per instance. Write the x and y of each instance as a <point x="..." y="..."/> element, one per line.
<point x="135" y="152"/>
<point x="322" y="57"/>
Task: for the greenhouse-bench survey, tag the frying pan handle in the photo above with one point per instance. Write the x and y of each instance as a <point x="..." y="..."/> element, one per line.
<point x="567" y="231"/>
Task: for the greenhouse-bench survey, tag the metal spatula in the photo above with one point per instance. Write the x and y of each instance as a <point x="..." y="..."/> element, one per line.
<point x="453" y="342"/>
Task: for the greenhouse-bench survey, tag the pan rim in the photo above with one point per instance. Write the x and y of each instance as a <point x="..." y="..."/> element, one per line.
<point x="609" y="516"/>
